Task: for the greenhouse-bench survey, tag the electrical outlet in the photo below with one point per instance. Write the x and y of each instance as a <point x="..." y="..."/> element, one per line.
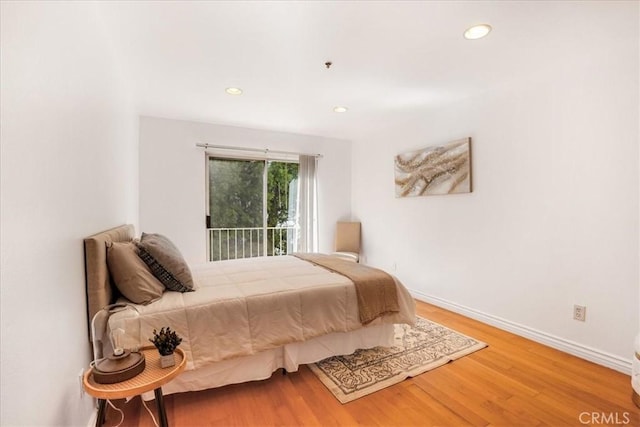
<point x="579" y="312"/>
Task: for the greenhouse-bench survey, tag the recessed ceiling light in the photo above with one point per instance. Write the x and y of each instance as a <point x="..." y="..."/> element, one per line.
<point x="340" y="109"/>
<point x="233" y="91"/>
<point x="477" y="32"/>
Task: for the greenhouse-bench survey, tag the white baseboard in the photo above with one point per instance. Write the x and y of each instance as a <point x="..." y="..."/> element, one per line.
<point x="584" y="352"/>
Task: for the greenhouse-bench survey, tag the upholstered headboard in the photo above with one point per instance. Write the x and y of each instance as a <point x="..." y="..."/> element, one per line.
<point x="100" y="291"/>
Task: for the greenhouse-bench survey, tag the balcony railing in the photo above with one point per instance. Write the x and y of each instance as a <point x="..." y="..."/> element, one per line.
<point x="234" y="243"/>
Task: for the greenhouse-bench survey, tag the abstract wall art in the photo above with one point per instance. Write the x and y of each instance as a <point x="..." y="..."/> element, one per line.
<point x="441" y="169"/>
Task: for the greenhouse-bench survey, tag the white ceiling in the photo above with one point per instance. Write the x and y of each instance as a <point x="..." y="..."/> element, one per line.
<point x="388" y="57"/>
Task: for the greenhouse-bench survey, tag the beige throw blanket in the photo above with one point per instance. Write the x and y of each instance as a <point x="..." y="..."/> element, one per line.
<point x="375" y="289"/>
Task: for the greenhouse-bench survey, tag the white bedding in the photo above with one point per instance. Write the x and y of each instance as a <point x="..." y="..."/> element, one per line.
<point x="261" y="366"/>
<point x="248" y="306"/>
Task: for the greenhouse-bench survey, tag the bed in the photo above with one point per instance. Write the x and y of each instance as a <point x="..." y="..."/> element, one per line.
<point x="248" y="318"/>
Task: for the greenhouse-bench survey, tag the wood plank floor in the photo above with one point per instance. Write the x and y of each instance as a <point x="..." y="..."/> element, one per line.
<point x="513" y="382"/>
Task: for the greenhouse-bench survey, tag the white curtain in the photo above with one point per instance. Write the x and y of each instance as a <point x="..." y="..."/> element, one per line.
<point x="307" y="205"/>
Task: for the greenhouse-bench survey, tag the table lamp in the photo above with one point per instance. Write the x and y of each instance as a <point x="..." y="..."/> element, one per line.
<point x="116" y="338"/>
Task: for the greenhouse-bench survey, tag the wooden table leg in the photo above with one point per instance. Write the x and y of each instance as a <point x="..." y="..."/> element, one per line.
<point x="160" y="404"/>
<point x="102" y="404"/>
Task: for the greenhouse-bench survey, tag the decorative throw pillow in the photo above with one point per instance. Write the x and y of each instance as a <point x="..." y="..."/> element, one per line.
<point x="165" y="262"/>
<point x="131" y="276"/>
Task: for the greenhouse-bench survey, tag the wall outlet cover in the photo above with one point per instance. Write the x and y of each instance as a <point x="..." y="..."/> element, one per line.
<point x="580" y="312"/>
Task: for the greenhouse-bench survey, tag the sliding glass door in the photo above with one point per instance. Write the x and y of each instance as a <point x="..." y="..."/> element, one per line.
<point x="252" y="208"/>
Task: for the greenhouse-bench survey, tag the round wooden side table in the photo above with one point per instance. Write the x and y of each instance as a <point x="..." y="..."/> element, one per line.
<point x="152" y="378"/>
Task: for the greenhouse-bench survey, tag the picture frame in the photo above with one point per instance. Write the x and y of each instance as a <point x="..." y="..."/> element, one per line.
<point x="435" y="170"/>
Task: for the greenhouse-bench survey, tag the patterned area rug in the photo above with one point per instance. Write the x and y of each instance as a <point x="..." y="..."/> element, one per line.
<point x="417" y="349"/>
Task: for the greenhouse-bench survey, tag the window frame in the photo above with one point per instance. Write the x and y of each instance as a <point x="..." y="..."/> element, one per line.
<point x="248" y="156"/>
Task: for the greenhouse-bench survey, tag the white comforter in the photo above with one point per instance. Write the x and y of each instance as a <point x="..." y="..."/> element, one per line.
<point x="242" y="307"/>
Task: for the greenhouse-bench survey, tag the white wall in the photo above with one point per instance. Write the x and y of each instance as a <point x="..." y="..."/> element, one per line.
<point x="172" y="177"/>
<point x="553" y="218"/>
<point x="68" y="169"/>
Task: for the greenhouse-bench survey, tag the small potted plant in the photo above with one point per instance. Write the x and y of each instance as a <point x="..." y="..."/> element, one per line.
<point x="166" y="342"/>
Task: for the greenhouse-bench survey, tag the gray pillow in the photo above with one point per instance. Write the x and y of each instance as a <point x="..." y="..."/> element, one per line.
<point x="131" y="276"/>
<point x="165" y="262"/>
